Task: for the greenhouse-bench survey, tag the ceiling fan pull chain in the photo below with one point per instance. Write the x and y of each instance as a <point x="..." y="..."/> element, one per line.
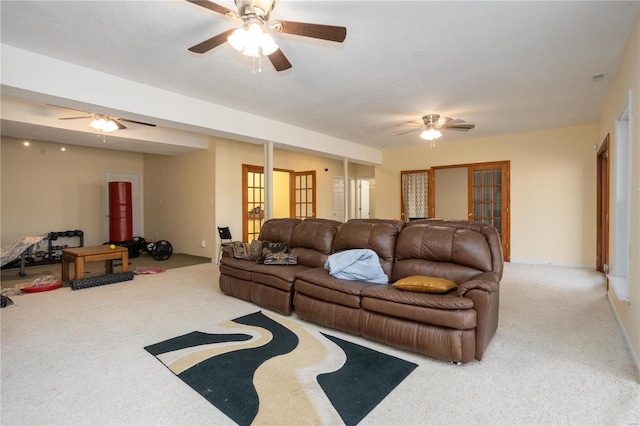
<point x="259" y="60"/>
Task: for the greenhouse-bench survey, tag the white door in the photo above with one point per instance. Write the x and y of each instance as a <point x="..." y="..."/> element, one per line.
<point x="136" y="200"/>
<point x="338" y="198"/>
<point x="363" y="199"/>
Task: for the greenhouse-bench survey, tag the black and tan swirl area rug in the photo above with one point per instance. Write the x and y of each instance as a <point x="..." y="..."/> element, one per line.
<point x="264" y="369"/>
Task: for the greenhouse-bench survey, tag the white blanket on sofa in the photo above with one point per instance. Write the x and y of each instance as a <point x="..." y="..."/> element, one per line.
<point x="356" y="264"/>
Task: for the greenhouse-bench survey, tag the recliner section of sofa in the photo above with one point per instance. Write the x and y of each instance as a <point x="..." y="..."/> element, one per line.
<point x="335" y="302"/>
<point x="454" y="326"/>
<point x="271" y="286"/>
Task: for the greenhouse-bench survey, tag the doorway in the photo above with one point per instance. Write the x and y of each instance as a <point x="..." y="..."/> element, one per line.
<point x="136" y="200"/>
<point x="478" y="192"/>
<point x="416" y="194"/>
<point x="294" y="196"/>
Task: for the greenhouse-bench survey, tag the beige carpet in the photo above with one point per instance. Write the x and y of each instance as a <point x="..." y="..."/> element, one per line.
<point x="11" y="277"/>
<point x="77" y="357"/>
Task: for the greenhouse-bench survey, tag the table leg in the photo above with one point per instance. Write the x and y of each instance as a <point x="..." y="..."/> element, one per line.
<point x="108" y="266"/>
<point x="65" y="269"/>
<point x="125" y="261"/>
<point x="79" y="268"/>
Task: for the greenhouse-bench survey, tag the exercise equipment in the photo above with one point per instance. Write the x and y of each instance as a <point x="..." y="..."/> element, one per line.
<point x="159" y="250"/>
<point x="102" y="280"/>
<point x="120" y="212"/>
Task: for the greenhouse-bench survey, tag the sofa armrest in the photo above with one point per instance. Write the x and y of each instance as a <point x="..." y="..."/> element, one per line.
<point x="227" y="251"/>
<point x="487" y="281"/>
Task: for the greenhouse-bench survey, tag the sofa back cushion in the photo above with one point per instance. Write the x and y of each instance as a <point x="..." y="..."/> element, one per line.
<point x="453" y="250"/>
<point x="490" y="234"/>
<point x="312" y="241"/>
<point x="378" y="235"/>
<point x="278" y="230"/>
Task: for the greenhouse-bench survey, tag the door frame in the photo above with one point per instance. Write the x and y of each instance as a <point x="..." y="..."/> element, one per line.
<point x="603" y="194"/>
<point x="431" y="209"/>
<point x="506" y="197"/>
<point x="246" y="168"/>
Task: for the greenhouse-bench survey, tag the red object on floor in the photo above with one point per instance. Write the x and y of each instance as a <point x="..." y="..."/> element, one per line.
<point x="37" y="289"/>
<point x="120" y="212"/>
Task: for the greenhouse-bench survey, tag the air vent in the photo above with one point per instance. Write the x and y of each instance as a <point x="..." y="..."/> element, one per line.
<point x="598" y="77"/>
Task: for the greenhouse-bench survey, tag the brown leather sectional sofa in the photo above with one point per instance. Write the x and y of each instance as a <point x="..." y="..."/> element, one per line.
<point x="453" y="326"/>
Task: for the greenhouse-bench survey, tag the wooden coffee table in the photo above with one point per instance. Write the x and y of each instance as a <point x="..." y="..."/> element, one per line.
<point x="82" y="255"/>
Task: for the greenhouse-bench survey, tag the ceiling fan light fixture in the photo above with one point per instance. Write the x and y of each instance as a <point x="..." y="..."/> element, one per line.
<point x="103" y="124"/>
<point x="430" y="134"/>
<point x="268" y="44"/>
<point x="238" y="39"/>
<point x="252" y="41"/>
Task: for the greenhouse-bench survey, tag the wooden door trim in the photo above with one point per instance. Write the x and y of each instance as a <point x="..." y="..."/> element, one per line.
<point x="603" y="197"/>
<point x="246" y="168"/>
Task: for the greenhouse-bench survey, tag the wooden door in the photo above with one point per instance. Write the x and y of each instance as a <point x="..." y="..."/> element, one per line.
<point x="305" y="194"/>
<point x="489" y="198"/>
<point x="252" y="201"/>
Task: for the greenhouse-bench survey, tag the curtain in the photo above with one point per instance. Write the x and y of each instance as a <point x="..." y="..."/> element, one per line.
<point x="415" y="193"/>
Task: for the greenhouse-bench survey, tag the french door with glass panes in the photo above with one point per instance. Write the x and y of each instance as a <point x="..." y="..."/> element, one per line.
<point x="300" y="202"/>
<point x="252" y="201"/>
<point x="305" y="194"/>
<point x="489" y="198"/>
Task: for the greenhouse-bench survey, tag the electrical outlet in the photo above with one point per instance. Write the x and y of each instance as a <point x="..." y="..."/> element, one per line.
<point x="203" y="243"/>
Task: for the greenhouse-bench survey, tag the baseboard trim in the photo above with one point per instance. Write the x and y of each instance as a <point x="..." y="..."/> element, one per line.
<point x="562" y="264"/>
<point x="625" y="336"/>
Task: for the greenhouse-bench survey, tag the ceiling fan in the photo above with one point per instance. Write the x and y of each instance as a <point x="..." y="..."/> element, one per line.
<point x="252" y="39"/>
<point x="103" y="122"/>
<point x="433" y="123"/>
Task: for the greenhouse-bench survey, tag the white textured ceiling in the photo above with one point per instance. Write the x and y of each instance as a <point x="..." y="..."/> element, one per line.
<point x="508" y="67"/>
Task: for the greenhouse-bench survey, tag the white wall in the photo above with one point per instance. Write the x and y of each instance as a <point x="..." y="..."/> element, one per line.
<point x="45" y="189"/>
<point x="451" y="193"/>
<point x="627" y="78"/>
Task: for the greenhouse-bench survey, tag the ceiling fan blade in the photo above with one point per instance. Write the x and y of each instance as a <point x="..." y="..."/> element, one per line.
<point x="411" y="123"/>
<point x="214" y="41"/>
<point x="447" y="121"/>
<point x="212" y="6"/>
<point x="409" y="131"/>
<point x="279" y="61"/>
<point x="136" y="122"/>
<point x="75" y="118"/>
<point x="119" y="124"/>
<point x="462" y="127"/>
<point x="72" y="109"/>
<point x="324" y="32"/>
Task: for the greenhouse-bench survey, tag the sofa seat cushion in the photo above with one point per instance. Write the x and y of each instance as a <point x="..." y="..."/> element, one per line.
<point x="446" y="301"/>
<point x="278" y="276"/>
<point x="241" y="264"/>
<point x="317" y="283"/>
<point x="237" y="268"/>
<point x="446" y="310"/>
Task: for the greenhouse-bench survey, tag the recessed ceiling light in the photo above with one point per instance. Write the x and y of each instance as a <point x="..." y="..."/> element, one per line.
<point x="26" y="143"/>
<point x="63" y="149"/>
